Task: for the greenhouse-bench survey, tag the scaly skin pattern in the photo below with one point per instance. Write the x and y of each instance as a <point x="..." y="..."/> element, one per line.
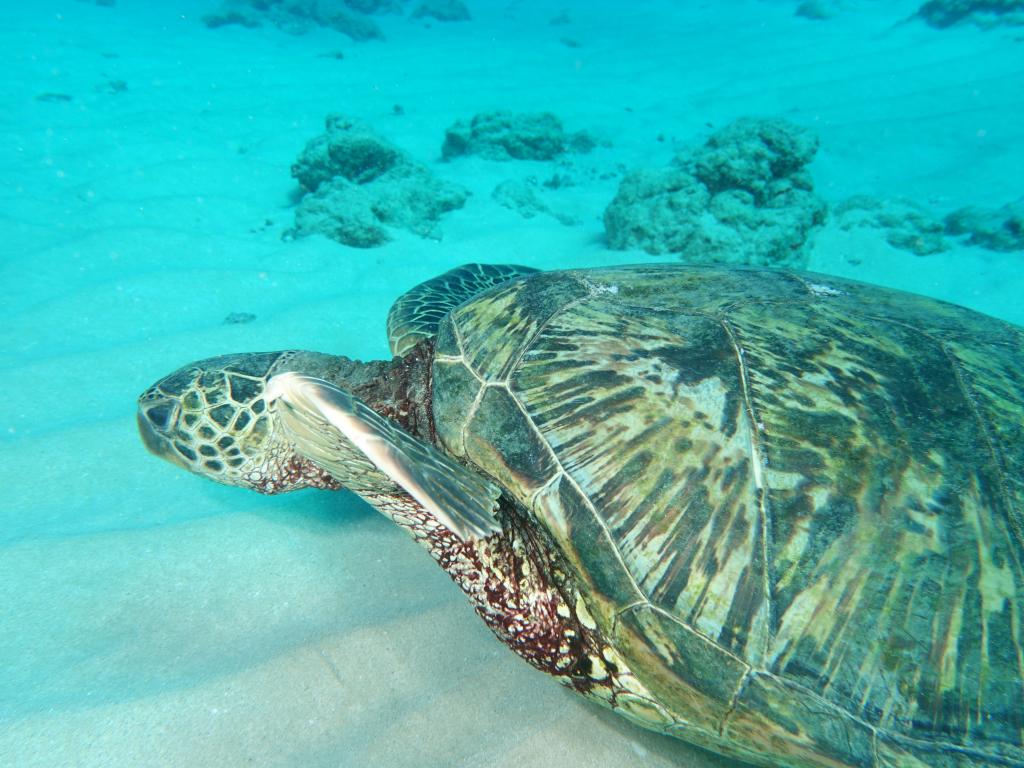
<point x="523" y="595"/>
<point x="284" y="470"/>
<point x="210" y="417"/>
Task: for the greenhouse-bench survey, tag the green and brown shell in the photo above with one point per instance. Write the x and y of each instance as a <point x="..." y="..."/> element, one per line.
<point x="792" y="503"/>
<point x="417" y="313"/>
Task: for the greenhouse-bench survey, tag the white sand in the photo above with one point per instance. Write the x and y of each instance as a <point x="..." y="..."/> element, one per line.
<point x="150" y="618"/>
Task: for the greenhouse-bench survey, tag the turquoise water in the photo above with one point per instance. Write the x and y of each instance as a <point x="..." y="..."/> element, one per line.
<point x="150" y="216"/>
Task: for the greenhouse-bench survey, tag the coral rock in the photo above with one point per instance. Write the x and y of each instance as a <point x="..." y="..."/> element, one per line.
<point x="818" y="10"/>
<point x="984" y="13"/>
<point x="348" y="148"/>
<point x="298" y="17"/>
<point x="906" y="225"/>
<point x="509" y="136"/>
<point x="998" y="229"/>
<point x="358" y="185"/>
<point x="442" y="10"/>
<point x="755" y="155"/>
<point x="744" y="197"/>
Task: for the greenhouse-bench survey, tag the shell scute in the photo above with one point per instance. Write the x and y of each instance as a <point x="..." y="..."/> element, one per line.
<point x="455" y="389"/>
<point x="675" y="660"/>
<point x="447" y="343"/>
<point x="882" y="480"/>
<point x="583" y="538"/>
<point x="496" y="330"/>
<point x="996" y="385"/>
<point x="775" y="715"/>
<point x="501" y="435"/>
<point x="645" y="412"/>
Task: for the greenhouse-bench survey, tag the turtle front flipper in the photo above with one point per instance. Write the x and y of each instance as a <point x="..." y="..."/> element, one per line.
<point x="373" y="456"/>
<point x="417" y="313"/>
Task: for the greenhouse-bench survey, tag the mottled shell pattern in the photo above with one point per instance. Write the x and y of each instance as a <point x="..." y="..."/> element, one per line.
<point x="792" y="503"/>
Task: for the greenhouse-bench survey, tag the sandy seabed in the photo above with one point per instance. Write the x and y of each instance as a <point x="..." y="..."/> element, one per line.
<point x="150" y="618"/>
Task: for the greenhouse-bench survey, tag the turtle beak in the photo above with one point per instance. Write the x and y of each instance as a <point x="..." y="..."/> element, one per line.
<point x="153" y="419"/>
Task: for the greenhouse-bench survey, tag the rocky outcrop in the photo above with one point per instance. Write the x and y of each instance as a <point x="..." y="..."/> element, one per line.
<point x="358" y="186"/>
<point x="984" y="13"/>
<point x="744" y="197"/>
<point x="505" y="135"/>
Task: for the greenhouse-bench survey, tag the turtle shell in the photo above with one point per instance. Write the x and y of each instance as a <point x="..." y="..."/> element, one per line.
<point x="792" y="503"/>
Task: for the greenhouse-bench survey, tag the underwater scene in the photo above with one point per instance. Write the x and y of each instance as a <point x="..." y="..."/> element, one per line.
<point x="374" y="366"/>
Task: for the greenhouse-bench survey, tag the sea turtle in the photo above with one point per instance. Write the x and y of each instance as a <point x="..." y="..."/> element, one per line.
<point x="776" y="514"/>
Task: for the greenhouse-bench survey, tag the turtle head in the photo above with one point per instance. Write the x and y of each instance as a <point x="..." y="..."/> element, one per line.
<point x="212" y="417"/>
